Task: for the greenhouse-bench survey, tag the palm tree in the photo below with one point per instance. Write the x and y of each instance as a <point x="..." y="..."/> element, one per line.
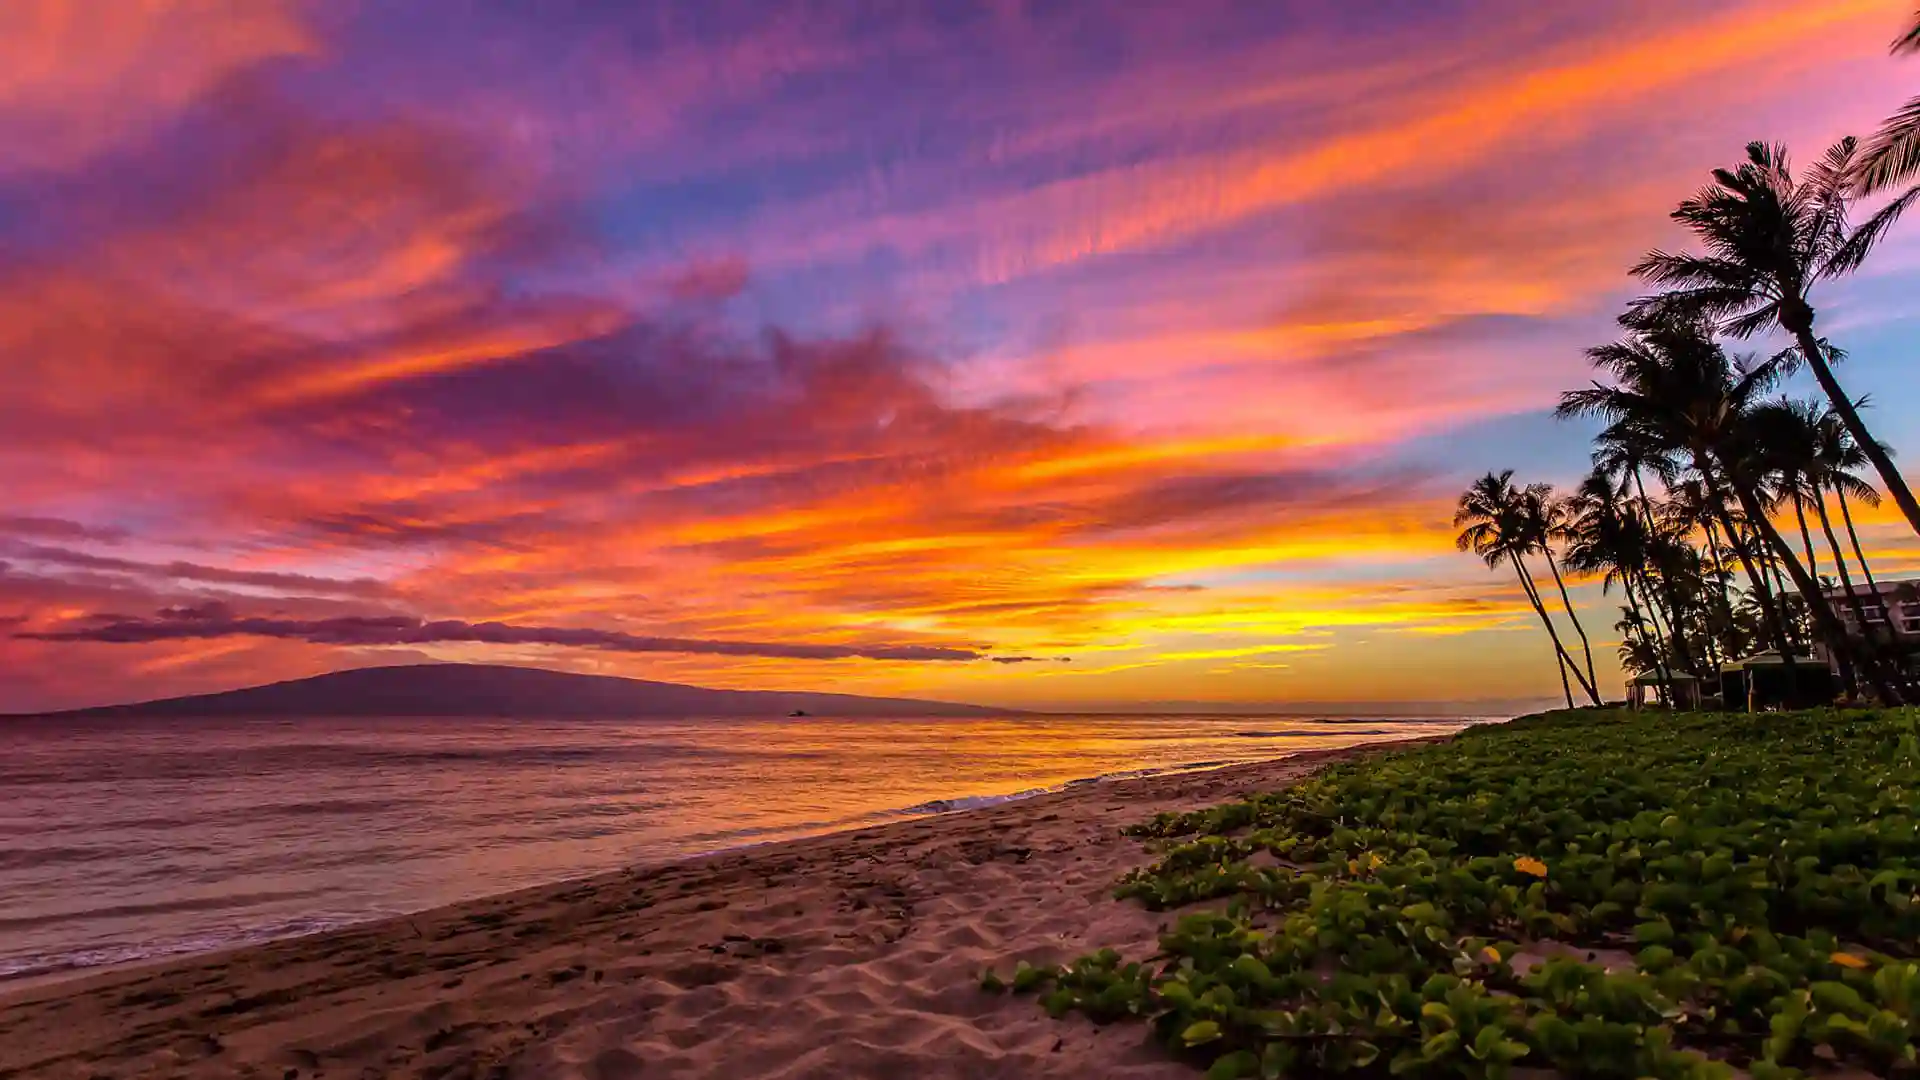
<point x="1605" y="543"/>
<point x="1621" y="452"/>
<point x="1545" y="522"/>
<point x="1691" y="506"/>
<point x="1638" y="655"/>
<point x="1839" y="458"/>
<point x="1753" y="451"/>
<point x="1496" y="528"/>
<point x="1786" y="434"/>
<point x="1835" y="459"/>
<point x="1789" y="445"/>
<point x="1674" y="388"/>
<point x="1893" y="156"/>
<point x="1675" y="385"/>
<point x="1769" y="238"/>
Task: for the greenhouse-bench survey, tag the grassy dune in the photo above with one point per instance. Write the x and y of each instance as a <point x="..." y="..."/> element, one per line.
<point x="1597" y="893"/>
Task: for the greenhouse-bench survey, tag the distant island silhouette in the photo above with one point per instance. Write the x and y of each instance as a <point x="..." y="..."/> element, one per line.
<point x="498" y="690"/>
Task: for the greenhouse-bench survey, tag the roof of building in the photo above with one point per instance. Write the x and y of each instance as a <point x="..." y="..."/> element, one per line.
<point x="1880" y="587"/>
<point x="1770" y="658"/>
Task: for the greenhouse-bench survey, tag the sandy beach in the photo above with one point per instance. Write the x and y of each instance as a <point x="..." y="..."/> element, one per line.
<point x="851" y="955"/>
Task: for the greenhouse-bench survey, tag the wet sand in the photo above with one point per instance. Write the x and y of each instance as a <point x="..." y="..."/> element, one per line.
<point x="851" y="955"/>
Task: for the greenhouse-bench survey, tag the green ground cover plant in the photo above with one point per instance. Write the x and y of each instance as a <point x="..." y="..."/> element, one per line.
<point x="1600" y="894"/>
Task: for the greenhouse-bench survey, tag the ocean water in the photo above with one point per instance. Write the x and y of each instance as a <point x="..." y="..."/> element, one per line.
<point x="128" y="840"/>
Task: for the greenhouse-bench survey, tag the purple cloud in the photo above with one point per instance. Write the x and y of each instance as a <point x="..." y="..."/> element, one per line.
<point x="195" y="572"/>
<point x="216" y="620"/>
<point x="49" y="528"/>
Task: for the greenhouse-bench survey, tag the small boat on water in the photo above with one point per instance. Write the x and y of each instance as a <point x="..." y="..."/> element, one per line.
<point x="799" y="712"/>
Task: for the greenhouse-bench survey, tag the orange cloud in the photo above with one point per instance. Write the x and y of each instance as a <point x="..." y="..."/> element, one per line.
<point x="77" y="77"/>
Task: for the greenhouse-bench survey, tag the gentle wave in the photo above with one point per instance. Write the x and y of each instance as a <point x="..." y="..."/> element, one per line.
<point x="31" y="966"/>
<point x="132" y="953"/>
<point x="966" y="802"/>
<point x="1294" y="733"/>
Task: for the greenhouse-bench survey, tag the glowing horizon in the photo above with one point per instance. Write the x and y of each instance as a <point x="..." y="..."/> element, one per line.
<point x="798" y="346"/>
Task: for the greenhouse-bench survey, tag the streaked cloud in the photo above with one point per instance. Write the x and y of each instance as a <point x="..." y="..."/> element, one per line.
<point x="719" y="341"/>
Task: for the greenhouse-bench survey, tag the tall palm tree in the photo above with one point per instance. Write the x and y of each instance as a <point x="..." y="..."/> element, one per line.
<point x="1620" y="451"/>
<point x="1603" y="542"/>
<point x="1751" y="454"/>
<point x="1788" y="444"/>
<point x="1835" y="459"/>
<point x="1674" y="388"/>
<point x="1676" y="384"/>
<point x="1840" y="459"/>
<point x="1545" y="522"/>
<point x="1769" y="238"/>
<point x="1690" y="506"/>
<point x="1496" y="528"/>
<point x="1893" y="157"/>
<point x="1786" y="437"/>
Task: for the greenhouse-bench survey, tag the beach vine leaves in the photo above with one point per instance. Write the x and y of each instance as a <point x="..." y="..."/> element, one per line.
<point x="1726" y="891"/>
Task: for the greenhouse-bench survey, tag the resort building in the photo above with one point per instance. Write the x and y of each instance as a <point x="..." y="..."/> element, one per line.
<point x="1890" y="607"/>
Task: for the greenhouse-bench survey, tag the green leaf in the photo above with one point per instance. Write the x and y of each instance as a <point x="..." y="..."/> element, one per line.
<point x="1840" y="998"/>
<point x="1196" y="1034"/>
<point x="1251" y="969"/>
<point x="1436" y="1047"/>
<point x="1234" y="1066"/>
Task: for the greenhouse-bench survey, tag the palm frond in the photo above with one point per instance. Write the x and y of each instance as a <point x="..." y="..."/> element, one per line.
<point x="1596" y="400"/>
<point x="1753" y="322"/>
<point x="1692" y="271"/>
<point x="1848" y="257"/>
<point x="1893" y="155"/>
<point x="1909" y="41"/>
<point x="1853" y="487"/>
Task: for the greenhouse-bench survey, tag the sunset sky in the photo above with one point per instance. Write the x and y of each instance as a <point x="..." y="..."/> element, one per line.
<point x="1060" y="353"/>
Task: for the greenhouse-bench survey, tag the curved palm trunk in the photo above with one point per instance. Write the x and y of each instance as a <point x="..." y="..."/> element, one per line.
<point x="1896" y="638"/>
<point x="1771" y="620"/>
<point x="1806" y="538"/>
<point x="1592" y="681"/>
<point x="1846" y="578"/>
<point x="1526" y="584"/>
<point x="1842" y="404"/>
<point x="1771" y="560"/>
<point x="1824" y="622"/>
<point x="1854" y="536"/>
<point x="1660" y="669"/>
<point x="1666" y="594"/>
<point x="1720" y="569"/>
<point x="1540" y="609"/>
<point x="1847" y="674"/>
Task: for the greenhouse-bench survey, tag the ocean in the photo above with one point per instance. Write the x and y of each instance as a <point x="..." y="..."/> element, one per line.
<point x="128" y="840"/>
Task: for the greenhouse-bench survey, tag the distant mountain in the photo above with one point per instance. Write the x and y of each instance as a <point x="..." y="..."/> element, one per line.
<point x="494" y="690"/>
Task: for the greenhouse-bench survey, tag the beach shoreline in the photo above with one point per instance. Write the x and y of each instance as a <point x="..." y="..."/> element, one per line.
<point x="868" y="941"/>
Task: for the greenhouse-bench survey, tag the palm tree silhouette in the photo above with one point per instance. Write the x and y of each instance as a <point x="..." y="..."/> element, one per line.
<point x="1839" y="459"/>
<point x="1788" y="439"/>
<point x="1675" y="386"/>
<point x="1496" y="525"/>
<point x="1691" y="506"/>
<point x="1769" y="239"/>
<point x="1603" y="542"/>
<point x="1545" y="523"/>
<point x="1624" y="452"/>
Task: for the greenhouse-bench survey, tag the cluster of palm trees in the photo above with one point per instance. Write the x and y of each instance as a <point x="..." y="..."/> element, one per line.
<point x="1707" y="488"/>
